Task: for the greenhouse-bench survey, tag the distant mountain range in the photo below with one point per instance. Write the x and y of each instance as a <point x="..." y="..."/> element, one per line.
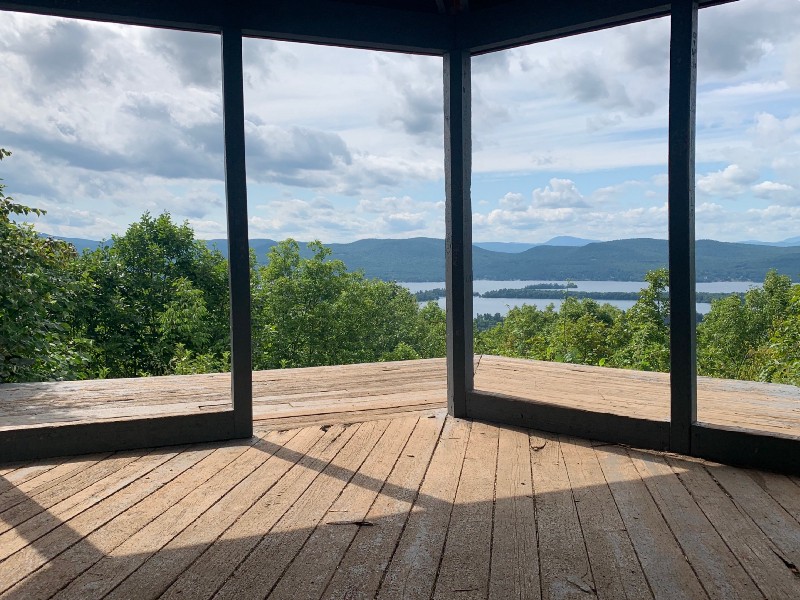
<point x="792" y="241"/>
<point x="514" y="247"/>
<point x="422" y="259"/>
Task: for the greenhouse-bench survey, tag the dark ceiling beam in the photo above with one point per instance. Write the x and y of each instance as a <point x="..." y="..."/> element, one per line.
<point x="353" y="25"/>
<point x="194" y="15"/>
<point x="518" y="22"/>
<point x="315" y="21"/>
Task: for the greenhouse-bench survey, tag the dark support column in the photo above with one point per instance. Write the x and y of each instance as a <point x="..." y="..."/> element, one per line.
<point x="682" y="92"/>
<point x="238" y="246"/>
<point x="458" y="217"/>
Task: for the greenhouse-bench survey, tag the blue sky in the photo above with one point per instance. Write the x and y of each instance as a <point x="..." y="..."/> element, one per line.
<point x="570" y="136"/>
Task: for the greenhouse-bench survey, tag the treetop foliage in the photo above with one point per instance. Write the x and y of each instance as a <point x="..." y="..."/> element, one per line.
<point x="155" y="302"/>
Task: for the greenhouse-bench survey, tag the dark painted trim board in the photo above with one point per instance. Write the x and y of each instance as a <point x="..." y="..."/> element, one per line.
<point x="104" y="436"/>
<point x="604" y="427"/>
<point x="746" y="448"/>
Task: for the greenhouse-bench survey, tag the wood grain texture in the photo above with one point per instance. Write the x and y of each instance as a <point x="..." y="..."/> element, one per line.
<point x="285" y="395"/>
<point x="718" y="569"/>
<point x="412" y="570"/>
<point x="669" y="573"/>
<point x="329" y="542"/>
<point x="469" y="537"/>
<point x="361" y="569"/>
<point x="782" y="530"/>
<point x="515" y="557"/>
<point x="741" y="534"/>
<point x="563" y="557"/>
<point x="615" y="566"/>
<point x="403" y="507"/>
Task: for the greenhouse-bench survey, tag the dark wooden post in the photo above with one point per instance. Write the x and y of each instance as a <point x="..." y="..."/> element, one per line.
<point x="682" y="93"/>
<point x="238" y="245"/>
<point x="458" y="238"/>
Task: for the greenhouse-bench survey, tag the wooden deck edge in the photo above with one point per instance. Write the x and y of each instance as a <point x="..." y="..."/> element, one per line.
<point x="746" y="448"/>
<point x="604" y="427"/>
<point x="67" y="439"/>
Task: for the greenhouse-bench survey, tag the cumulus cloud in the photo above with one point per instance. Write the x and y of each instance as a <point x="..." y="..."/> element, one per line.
<point x="149" y="135"/>
<point x="773" y="190"/>
<point x="792" y="68"/>
<point x="321" y="218"/>
<point x="770" y="131"/>
<point x="73" y="222"/>
<point x="731" y="181"/>
<point x="512" y="201"/>
<point x="559" y="193"/>
<point x="537" y="224"/>
<point x="56" y="55"/>
<point x="309" y="219"/>
<point x="196" y="204"/>
<point x="403" y="215"/>
<point x="412" y="95"/>
<point x="590" y="83"/>
<point x="287" y="153"/>
<point x="772" y="223"/>
<point x="196" y="58"/>
<point x="735" y="38"/>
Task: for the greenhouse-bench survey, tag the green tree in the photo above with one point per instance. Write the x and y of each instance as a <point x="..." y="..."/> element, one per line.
<point x="312" y="311"/>
<point x="524" y="333"/>
<point x="153" y="295"/>
<point x="641" y="334"/>
<point x="582" y="332"/>
<point x="38" y="288"/>
<point x="430" y="331"/>
<point x="735" y="337"/>
<point x="783" y="350"/>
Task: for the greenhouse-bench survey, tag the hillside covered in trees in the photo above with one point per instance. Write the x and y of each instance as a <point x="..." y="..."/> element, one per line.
<point x="422" y="259"/>
<point x="154" y="301"/>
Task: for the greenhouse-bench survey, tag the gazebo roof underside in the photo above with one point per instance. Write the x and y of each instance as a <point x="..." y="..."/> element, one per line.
<point x="414" y="26"/>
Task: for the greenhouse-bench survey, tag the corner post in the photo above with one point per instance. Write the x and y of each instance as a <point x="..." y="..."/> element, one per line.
<point x="681" y="207"/>
<point x="238" y="245"/>
<point x="458" y="237"/>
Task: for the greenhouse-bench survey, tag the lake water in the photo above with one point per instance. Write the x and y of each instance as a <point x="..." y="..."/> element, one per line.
<point x="502" y="305"/>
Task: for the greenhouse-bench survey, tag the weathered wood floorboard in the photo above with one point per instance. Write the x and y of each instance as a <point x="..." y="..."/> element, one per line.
<point x="718" y="569"/>
<point x="329" y="542"/>
<point x="782" y="489"/>
<point x="260" y="571"/>
<point x="411" y="505"/>
<point x="362" y="567"/>
<point x="782" y="530"/>
<point x="615" y="566"/>
<point x="563" y="558"/>
<point x="469" y="537"/>
<point x="515" y="557"/>
<point x="64" y="551"/>
<point x="740" y="533"/>
<point x="301" y="395"/>
<point x="668" y="573"/>
<point x="411" y="573"/>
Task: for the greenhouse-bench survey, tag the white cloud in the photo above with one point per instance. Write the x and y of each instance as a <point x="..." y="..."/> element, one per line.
<point x="559" y="193"/>
<point x="792" y="68"/>
<point x="109" y="120"/>
<point x="731" y="181"/>
<point x="709" y="210"/>
<point x="321" y="218"/>
<point x="773" y="190"/>
<point x="539" y="224"/>
<point x="512" y="201"/>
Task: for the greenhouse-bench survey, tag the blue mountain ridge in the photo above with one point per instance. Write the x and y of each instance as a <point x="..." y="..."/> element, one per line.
<point x="422" y="259"/>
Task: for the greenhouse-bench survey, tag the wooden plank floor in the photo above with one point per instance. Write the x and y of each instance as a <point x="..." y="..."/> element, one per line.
<point x="749" y="405"/>
<point x="351" y="392"/>
<point x="398" y="507"/>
